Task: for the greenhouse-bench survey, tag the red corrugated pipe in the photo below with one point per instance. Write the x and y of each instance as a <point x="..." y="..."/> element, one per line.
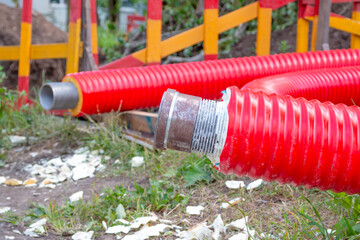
<point x="142" y="87"/>
<point x="340" y="85"/>
<point x="277" y="138"/>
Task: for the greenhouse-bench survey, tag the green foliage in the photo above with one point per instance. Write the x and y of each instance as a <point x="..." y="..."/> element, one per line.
<point x="311" y="222"/>
<point x="194" y="170"/>
<point x="284" y="16"/>
<point x="111" y="42"/>
<point x="348" y="207"/>
<point x="284" y="47"/>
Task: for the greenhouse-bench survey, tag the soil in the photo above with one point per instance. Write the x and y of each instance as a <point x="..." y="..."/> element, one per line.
<point x="42" y="32"/>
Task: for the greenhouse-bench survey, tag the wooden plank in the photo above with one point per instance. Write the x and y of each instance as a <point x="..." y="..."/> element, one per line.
<point x="143" y="139"/>
<point x="140" y="121"/>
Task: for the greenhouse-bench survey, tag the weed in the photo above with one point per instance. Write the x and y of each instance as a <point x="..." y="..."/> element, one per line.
<point x="283" y="46"/>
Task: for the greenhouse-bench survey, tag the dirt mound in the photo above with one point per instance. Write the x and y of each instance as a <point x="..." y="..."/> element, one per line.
<point x="42" y="32"/>
<point x="285" y="40"/>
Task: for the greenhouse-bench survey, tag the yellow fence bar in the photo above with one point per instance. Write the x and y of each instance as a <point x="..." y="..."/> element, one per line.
<point x="342" y="24"/>
<point x="355" y="39"/>
<point x="73" y="53"/>
<point x="196" y="35"/>
<point x="9" y="53"/>
<point x="263" y="37"/>
<point x="49" y="51"/>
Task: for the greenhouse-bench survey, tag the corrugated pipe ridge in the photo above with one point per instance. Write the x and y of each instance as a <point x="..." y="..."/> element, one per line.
<point x="279" y="138"/>
<point x="339" y="85"/>
<point x="142" y="87"/>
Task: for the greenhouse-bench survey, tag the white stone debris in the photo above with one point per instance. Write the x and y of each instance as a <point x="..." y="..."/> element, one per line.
<point x="243" y="235"/>
<point x="137" y="161"/>
<point x="232" y="202"/>
<point x="218" y="226"/>
<point x="17" y="231"/>
<point x="76" y="159"/>
<point x="83" y="170"/>
<point x="83" y="235"/>
<point x="38" y="223"/>
<point x="199" y="232"/>
<point x="118" y="229"/>
<point x="104" y="225"/>
<point x="30" y="232"/>
<point x="57" y="162"/>
<point x="239" y="224"/>
<point x="2" y="179"/>
<point x="254" y="184"/>
<point x="33" y="154"/>
<point x="235" y="184"/>
<point x="194" y="210"/>
<point x="36" y="229"/>
<point x="165" y="221"/>
<point x="9" y="237"/>
<point x="101" y="168"/>
<point x="147" y="232"/>
<point x="4" y="209"/>
<point x="120" y="211"/>
<point x="76" y="196"/>
<point x="15" y="139"/>
<point x="122" y="221"/>
<point x="82" y="164"/>
<point x="142" y="221"/>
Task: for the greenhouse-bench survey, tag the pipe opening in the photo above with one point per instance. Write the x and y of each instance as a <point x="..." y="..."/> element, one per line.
<point x="46" y="97"/>
<point x="63" y="95"/>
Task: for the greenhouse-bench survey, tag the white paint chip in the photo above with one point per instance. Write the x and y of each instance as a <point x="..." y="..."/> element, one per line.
<point x="83" y="170"/>
<point x="33" y="154"/>
<point x="232" y="202"/>
<point x="2" y="179"/>
<point x="4" y="209"/>
<point x="239" y="224"/>
<point x="234" y="184"/>
<point x="14" y="139"/>
<point x="254" y="184"/>
<point x="118" y="229"/>
<point x="82" y="235"/>
<point x="137" y="161"/>
<point x="38" y="223"/>
<point x="30" y="232"/>
<point x="147" y="232"/>
<point x="199" y="232"/>
<point x="120" y="211"/>
<point x="76" y="196"/>
<point x="194" y="210"/>
<point x="142" y="221"/>
<point x="218" y="226"/>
